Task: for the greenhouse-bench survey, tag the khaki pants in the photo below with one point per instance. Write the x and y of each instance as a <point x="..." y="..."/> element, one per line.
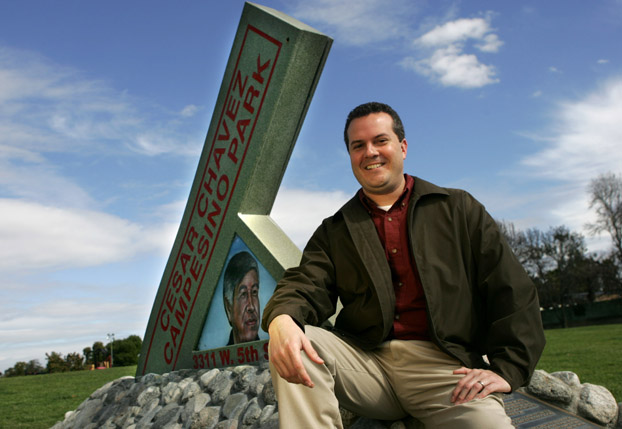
<point x="397" y="379"/>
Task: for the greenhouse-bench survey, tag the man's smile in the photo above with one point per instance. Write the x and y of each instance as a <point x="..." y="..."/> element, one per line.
<point x="374" y="166"/>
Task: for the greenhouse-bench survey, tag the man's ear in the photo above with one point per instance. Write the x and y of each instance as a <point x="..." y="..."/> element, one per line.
<point x="228" y="310"/>
<point x="404" y="146"/>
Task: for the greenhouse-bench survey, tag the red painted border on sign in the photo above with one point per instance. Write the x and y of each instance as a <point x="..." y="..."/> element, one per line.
<point x="278" y="45"/>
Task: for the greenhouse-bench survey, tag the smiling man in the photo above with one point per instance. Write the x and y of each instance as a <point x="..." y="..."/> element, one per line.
<point x="241" y="298"/>
<point x="438" y="315"/>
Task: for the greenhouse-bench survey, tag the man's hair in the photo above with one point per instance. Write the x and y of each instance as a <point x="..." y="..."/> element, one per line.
<point x="374" y="107"/>
<point x="238" y="266"/>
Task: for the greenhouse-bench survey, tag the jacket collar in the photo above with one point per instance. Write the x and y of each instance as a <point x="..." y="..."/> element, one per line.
<point x="423" y="188"/>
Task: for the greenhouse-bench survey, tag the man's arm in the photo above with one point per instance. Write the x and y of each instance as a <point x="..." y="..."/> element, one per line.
<point x="514" y="335"/>
<point x="287" y="341"/>
<point x="305" y="295"/>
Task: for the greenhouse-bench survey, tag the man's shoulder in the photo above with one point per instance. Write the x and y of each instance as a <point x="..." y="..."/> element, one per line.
<point x="424" y="188"/>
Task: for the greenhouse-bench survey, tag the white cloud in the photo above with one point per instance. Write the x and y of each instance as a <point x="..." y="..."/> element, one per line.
<point x="46" y="107"/>
<point x="358" y="22"/>
<point x="584" y="142"/>
<point x="189" y="110"/>
<point x="298" y="212"/>
<point x="459" y="31"/>
<point x="449" y="63"/>
<point x="36" y="236"/>
<point x="65" y="326"/>
<point x="586" y="138"/>
<point x="450" y="67"/>
<point x="442" y="54"/>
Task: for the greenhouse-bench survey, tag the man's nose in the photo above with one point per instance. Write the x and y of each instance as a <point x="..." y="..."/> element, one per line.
<point x="370" y="150"/>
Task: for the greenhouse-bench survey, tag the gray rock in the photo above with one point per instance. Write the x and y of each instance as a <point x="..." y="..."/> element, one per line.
<point x="252" y="413"/>
<point x="85" y="416"/>
<point x="227" y="424"/>
<point x="549" y="388"/>
<point x="234" y="405"/>
<point x="147" y="395"/>
<point x="207" y="377"/>
<point x="125" y="416"/>
<point x="266" y="413"/>
<point x="185" y="382"/>
<point x="151" y="379"/>
<point x="193" y="388"/>
<point x="195" y="405"/>
<point x="272" y="422"/>
<point x="220" y="387"/>
<point x="171" y="393"/>
<point x="268" y="395"/>
<point x="206" y="418"/>
<point x="261" y="379"/>
<point x="167" y="416"/>
<point x="146" y="419"/>
<point x="245" y="378"/>
<point x="568" y="377"/>
<point x="597" y="404"/>
<point x="99" y="393"/>
<point x="145" y="409"/>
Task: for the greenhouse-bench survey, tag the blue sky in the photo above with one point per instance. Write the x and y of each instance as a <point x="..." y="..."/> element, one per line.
<point x="104" y="107"/>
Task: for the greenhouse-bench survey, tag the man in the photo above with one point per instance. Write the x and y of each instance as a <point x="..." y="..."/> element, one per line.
<point x="241" y="298"/>
<point x="428" y="286"/>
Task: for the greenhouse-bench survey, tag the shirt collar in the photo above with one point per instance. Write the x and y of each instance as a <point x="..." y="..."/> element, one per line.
<point x="404" y="198"/>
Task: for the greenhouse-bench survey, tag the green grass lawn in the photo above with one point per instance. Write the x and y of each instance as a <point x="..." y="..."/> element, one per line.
<point x="591" y="352"/>
<point x="39" y="401"/>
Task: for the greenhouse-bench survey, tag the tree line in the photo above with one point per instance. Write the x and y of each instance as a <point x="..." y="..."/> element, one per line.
<point x="564" y="272"/>
<point x="118" y="353"/>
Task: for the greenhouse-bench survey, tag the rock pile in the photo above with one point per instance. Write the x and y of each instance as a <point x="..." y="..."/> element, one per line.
<point x="240" y="397"/>
<point x="563" y="389"/>
<point x="243" y="398"/>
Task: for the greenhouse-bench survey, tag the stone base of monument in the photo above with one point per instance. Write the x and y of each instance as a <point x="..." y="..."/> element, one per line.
<point x="243" y="397"/>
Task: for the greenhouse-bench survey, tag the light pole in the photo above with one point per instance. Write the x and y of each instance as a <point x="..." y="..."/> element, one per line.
<point x="111" y="349"/>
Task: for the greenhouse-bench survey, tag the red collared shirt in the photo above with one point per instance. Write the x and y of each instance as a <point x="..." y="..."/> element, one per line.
<point x="410" y="321"/>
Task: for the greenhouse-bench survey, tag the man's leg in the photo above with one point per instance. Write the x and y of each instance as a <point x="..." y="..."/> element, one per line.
<point x="349" y="377"/>
<point x="422" y="377"/>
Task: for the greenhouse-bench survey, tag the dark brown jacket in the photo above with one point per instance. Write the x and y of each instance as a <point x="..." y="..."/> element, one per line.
<point x="480" y="300"/>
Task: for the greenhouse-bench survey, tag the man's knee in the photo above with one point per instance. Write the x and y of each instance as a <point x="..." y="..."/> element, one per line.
<point x="487" y="413"/>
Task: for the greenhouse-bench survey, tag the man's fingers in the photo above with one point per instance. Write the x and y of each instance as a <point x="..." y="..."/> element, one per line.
<point x="477" y="383"/>
<point x="310" y="351"/>
<point x="287" y="342"/>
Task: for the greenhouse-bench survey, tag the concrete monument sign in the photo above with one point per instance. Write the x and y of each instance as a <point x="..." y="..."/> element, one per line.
<point x="228" y="252"/>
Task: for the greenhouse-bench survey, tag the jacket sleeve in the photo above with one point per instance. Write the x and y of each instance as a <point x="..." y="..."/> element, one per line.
<point x="512" y="322"/>
<point x="307" y="292"/>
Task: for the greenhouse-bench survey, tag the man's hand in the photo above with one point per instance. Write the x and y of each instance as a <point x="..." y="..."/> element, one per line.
<point x="477" y="383"/>
<point x="286" y="342"/>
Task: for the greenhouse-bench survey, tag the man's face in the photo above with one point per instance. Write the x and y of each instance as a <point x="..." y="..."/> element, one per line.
<point x="376" y="154"/>
<point x="245" y="311"/>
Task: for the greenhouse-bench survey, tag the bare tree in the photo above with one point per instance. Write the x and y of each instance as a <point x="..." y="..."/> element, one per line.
<point x="606" y="199"/>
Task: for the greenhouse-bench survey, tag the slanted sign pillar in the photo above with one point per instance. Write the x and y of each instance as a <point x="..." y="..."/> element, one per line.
<point x="201" y="307"/>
